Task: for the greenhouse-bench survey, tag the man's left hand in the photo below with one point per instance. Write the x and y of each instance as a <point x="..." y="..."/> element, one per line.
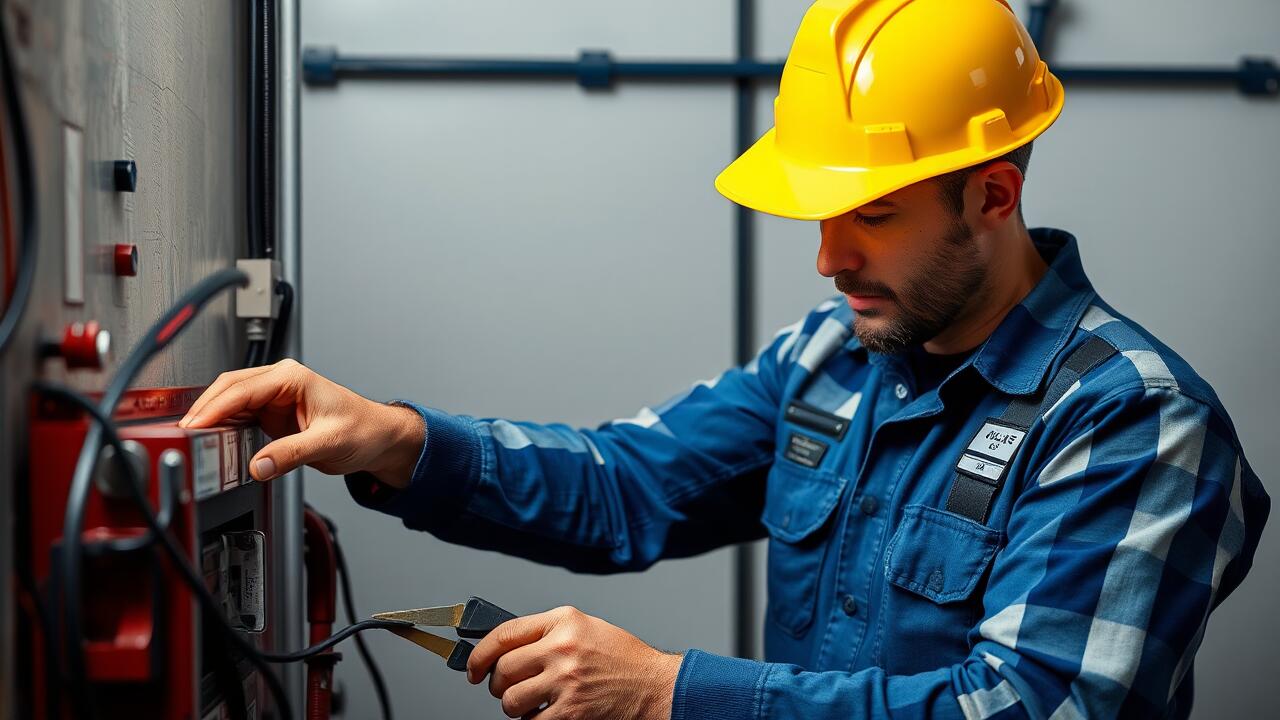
<point x="575" y="666"/>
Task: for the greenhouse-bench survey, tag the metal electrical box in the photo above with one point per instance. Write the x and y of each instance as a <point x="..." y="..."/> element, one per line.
<point x="135" y="115"/>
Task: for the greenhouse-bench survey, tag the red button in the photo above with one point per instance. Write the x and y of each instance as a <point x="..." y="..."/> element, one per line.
<point x="85" y="345"/>
<point x="125" y="259"/>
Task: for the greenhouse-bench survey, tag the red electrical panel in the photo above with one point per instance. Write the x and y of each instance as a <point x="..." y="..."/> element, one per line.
<point x="147" y="654"/>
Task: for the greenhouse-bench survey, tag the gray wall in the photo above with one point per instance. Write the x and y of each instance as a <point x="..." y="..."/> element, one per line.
<point x="532" y="251"/>
<point x="499" y="248"/>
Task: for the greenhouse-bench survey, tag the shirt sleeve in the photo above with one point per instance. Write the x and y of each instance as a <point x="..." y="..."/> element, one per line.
<point x="673" y="481"/>
<point x="1126" y="534"/>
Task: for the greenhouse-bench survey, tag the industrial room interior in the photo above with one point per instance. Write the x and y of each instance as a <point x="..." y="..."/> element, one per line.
<point x="502" y="210"/>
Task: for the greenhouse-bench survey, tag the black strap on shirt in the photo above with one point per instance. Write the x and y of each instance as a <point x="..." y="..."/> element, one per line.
<point x="983" y="465"/>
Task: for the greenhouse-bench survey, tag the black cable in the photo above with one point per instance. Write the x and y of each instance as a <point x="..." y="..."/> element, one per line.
<point x="167" y="491"/>
<point x="107" y="429"/>
<point x="253" y="186"/>
<point x="280" y="328"/>
<point x="254" y="353"/>
<point x="26" y="193"/>
<point x="230" y="683"/>
<point x="349" y="605"/>
<point x="189" y="575"/>
<point x="266" y="152"/>
<point x="158" y="337"/>
<point x="334" y="639"/>
<point x="71" y="560"/>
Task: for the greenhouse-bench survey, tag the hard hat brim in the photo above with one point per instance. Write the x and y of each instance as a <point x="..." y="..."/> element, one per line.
<point x="764" y="179"/>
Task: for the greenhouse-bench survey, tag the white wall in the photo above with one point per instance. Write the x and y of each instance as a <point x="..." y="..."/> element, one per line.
<point x="461" y="239"/>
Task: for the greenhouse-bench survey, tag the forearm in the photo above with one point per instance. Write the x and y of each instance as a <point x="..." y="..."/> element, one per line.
<point x="710" y="687"/>
<point x="604" y="501"/>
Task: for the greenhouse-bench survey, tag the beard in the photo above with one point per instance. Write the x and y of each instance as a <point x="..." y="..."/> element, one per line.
<point x="931" y="298"/>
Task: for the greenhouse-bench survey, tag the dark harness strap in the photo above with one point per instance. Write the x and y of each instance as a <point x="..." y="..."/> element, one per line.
<point x="983" y="465"/>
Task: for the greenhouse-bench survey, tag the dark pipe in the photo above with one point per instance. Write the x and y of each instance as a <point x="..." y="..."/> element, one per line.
<point x="266" y="136"/>
<point x="744" y="576"/>
<point x="324" y="66"/>
<point x="1038" y="12"/>
<point x="260" y="134"/>
<point x="253" y="130"/>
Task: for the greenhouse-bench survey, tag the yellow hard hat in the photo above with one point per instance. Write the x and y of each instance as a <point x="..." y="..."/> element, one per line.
<point x="879" y="94"/>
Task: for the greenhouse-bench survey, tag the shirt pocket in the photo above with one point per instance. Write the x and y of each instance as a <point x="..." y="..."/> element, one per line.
<point x="798" y="504"/>
<point x="934" y="565"/>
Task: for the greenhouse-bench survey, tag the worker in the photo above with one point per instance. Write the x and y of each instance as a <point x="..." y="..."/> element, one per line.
<point x="986" y="492"/>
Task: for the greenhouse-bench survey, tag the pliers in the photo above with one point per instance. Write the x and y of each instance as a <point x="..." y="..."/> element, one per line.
<point x="473" y="619"/>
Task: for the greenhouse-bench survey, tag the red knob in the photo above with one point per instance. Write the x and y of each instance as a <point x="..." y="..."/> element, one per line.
<point x="85" y="345"/>
<point x="125" y="259"/>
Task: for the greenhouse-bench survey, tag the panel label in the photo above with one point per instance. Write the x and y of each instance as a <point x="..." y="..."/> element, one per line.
<point x="206" y="467"/>
<point x="73" y="214"/>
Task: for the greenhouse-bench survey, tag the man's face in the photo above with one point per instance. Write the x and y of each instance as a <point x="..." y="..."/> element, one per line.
<point x="906" y="264"/>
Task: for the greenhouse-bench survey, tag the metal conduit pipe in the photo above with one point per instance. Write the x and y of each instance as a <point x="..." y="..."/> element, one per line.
<point x="596" y="69"/>
<point x="745" y="630"/>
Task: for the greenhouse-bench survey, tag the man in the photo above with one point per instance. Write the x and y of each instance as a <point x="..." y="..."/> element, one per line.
<point x="985" y="491"/>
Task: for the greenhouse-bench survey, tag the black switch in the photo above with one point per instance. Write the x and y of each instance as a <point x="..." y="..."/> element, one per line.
<point x="124" y="175"/>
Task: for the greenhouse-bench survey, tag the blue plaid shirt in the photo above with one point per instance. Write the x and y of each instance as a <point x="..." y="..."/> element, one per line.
<point x="1128" y="514"/>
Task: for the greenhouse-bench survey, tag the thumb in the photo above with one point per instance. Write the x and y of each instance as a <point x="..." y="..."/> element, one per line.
<point x="288" y="454"/>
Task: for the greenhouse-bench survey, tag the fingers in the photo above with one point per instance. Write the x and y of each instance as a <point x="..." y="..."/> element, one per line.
<point x="516" y="667"/>
<point x="505" y="638"/>
<point x="248" y="392"/>
<point x="223" y="381"/>
<point x="291" y="452"/>
<point x="525" y="698"/>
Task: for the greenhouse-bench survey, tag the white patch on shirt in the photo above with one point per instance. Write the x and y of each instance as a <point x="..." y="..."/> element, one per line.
<point x="1113" y="651"/>
<point x="1072" y="459"/>
<point x="1095" y="317"/>
<point x="831" y="334"/>
<point x="646" y="418"/>
<point x="1151" y="368"/>
<point x="849" y="407"/>
<point x="793" y="333"/>
<point x="1003" y="627"/>
<point x="981" y="704"/>
<point x="1182" y="430"/>
<point x="509" y="436"/>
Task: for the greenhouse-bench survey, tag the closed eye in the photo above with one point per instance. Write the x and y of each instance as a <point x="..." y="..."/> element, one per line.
<point x="872" y="220"/>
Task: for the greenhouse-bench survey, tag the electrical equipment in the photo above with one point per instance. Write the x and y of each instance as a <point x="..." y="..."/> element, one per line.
<point x="145" y="642"/>
<point x="143" y="162"/>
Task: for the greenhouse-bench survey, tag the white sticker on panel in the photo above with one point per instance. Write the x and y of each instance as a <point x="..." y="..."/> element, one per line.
<point x="207" y="465"/>
<point x="230" y="458"/>
<point x="73" y="214"/>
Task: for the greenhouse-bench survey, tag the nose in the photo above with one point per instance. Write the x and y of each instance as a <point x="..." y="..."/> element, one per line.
<point x="839" y="251"/>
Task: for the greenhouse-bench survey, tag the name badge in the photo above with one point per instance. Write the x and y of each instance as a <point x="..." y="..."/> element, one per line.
<point x="997" y="441"/>
<point x="991" y="451"/>
<point x="805" y="450"/>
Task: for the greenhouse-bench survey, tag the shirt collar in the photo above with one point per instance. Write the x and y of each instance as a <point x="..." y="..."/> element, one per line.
<point x="1016" y="357"/>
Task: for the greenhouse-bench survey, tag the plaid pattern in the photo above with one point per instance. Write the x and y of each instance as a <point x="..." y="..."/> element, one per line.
<point x="1128" y="515"/>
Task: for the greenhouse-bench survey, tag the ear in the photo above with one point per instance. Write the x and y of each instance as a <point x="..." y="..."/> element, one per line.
<point x="996" y="190"/>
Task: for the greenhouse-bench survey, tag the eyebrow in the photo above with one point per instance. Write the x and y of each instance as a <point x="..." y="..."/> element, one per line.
<point x="881" y="203"/>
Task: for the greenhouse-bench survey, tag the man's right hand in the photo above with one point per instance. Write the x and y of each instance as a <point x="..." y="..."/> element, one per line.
<point x="314" y="421"/>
